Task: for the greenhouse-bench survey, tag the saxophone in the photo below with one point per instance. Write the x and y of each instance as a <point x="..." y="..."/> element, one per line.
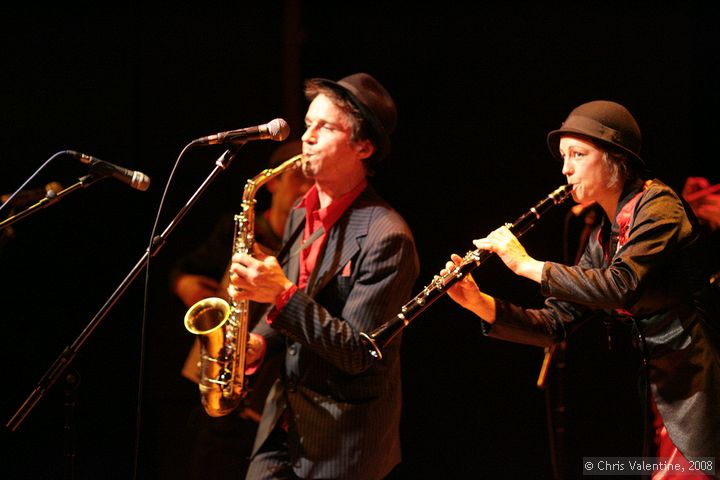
<point x="222" y="326"/>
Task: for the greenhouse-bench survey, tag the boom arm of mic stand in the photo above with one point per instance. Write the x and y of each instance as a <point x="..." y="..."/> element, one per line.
<point x="69" y="353"/>
<point x="83" y="182"/>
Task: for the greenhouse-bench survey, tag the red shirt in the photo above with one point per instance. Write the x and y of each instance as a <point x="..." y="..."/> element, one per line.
<point x="315" y="217"/>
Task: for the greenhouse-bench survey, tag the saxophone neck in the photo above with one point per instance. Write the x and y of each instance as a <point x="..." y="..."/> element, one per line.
<point x="253" y="184"/>
<point x="291" y="163"/>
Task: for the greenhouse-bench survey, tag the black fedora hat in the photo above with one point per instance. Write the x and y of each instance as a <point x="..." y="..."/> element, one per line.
<point x="374" y="103"/>
<point x="602" y="120"/>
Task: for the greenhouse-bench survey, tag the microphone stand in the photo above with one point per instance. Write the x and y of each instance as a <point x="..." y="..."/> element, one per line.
<point x="69" y="353"/>
<point x="555" y="408"/>
<point x="72" y="380"/>
<point x="51" y="199"/>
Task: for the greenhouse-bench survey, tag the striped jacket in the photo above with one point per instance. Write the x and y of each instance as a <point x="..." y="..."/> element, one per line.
<point x="343" y="406"/>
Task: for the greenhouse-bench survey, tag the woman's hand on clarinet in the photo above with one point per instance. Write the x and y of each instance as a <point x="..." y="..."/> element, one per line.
<point x="512" y="253"/>
<point x="466" y="293"/>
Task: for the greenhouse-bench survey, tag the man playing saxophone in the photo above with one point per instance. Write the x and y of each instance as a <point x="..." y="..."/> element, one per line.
<point x="221" y="445"/>
<point x="351" y="263"/>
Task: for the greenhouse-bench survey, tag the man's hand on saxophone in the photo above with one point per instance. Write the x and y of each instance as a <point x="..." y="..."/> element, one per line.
<point x="258" y="279"/>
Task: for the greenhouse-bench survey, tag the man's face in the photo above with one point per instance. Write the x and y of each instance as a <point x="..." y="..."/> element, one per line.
<point x="329" y="154"/>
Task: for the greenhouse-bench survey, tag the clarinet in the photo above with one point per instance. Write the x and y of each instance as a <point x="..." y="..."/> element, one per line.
<point x="377" y="339"/>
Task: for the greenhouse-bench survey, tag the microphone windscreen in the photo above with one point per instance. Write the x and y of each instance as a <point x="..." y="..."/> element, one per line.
<point x="278" y="129"/>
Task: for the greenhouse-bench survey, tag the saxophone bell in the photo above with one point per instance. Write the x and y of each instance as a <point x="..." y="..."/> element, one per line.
<point x="220" y="391"/>
<point x="207" y="315"/>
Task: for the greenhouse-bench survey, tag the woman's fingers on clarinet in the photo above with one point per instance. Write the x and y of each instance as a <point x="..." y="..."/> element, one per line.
<point x="483" y="244"/>
<point x="449" y="265"/>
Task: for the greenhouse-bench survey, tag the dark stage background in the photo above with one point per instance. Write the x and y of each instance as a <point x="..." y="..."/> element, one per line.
<point x="477" y="89"/>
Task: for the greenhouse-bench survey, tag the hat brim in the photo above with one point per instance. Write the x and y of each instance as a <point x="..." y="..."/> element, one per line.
<point x="553" y="142"/>
<point x="380" y="138"/>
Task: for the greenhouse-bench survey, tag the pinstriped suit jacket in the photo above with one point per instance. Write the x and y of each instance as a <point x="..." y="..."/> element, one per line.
<point x="343" y="406"/>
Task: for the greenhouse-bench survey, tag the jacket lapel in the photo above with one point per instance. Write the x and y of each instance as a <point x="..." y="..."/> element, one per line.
<point x="343" y="242"/>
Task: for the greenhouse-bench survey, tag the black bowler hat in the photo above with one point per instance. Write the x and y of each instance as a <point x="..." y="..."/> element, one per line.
<point x="602" y="120"/>
<point x="374" y="103"/>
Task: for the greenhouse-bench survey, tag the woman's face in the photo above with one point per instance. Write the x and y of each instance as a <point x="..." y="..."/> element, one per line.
<point x="586" y="169"/>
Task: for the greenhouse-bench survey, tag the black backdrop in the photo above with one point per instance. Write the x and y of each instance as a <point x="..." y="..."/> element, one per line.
<point x="477" y="89"/>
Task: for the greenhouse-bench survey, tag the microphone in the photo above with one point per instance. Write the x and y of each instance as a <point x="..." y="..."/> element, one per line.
<point x="277" y="130"/>
<point x="28" y="196"/>
<point x="135" y="179"/>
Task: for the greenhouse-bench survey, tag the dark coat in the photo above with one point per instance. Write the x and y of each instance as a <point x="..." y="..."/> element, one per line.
<point x="654" y="281"/>
<point x="344" y="406"/>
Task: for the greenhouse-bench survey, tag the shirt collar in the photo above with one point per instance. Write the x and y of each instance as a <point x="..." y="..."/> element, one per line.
<point x="331" y="213"/>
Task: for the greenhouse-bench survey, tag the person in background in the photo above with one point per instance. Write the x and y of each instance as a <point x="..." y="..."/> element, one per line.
<point x="704" y="199"/>
<point x="351" y="264"/>
<point x="227" y="441"/>
<point x="639" y="267"/>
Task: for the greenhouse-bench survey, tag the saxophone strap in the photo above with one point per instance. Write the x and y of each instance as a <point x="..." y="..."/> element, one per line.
<point x="291" y="241"/>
